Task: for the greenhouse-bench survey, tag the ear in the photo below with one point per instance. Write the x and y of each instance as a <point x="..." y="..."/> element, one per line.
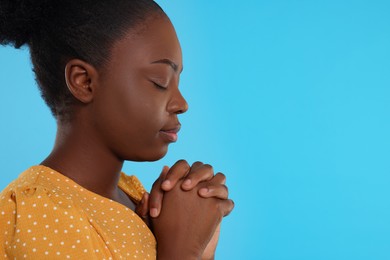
<point x="81" y="78"/>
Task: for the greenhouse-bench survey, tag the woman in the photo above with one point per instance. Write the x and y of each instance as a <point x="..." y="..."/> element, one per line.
<point x="109" y="71"/>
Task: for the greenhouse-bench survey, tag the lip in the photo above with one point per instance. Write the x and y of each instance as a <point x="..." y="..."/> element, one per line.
<point x="170" y="133"/>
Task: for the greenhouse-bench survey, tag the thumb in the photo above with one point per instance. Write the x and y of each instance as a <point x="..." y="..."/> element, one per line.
<point x="142" y="208"/>
<point x="157" y="194"/>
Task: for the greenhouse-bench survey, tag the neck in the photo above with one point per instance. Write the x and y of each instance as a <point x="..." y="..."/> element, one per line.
<point x="79" y="154"/>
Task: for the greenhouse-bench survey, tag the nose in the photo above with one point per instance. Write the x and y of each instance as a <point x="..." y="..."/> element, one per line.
<point x="177" y="104"/>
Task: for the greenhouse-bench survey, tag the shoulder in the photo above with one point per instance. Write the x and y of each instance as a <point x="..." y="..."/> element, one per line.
<point x="32" y="195"/>
<point x="34" y="215"/>
<point x="32" y="188"/>
<point x="26" y="188"/>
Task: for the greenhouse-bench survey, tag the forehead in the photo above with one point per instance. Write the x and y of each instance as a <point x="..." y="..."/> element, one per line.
<point x="156" y="40"/>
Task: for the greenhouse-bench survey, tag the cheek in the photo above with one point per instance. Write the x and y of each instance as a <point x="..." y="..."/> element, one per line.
<point x="134" y="111"/>
<point x="130" y="119"/>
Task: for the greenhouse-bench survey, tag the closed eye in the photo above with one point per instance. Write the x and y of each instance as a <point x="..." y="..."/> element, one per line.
<point x="159" y="86"/>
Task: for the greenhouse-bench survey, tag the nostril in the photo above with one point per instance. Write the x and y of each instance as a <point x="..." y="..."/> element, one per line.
<point x="184" y="108"/>
<point x="178" y="106"/>
<point x="181" y="111"/>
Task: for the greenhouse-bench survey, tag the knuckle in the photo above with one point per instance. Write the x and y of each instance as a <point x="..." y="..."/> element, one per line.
<point x="156" y="191"/>
<point x="155" y="184"/>
<point x="183" y="162"/>
<point x="232" y="205"/>
<point x="178" y="171"/>
<point x="208" y="167"/>
<point x="197" y="163"/>
<point x="225" y="208"/>
<point x="225" y="188"/>
<point x="221" y="210"/>
<point x="221" y="175"/>
<point x="219" y="205"/>
<point x="169" y="176"/>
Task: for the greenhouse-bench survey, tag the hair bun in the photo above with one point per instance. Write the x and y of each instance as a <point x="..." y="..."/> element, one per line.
<point x="20" y="20"/>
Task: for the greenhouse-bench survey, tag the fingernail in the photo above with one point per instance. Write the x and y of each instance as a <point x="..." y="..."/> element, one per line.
<point x="187" y="182"/>
<point x="153" y="212"/>
<point x="166" y="184"/>
<point x="204" y="191"/>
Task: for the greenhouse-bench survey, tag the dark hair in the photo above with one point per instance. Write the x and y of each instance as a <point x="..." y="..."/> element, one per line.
<point x="58" y="31"/>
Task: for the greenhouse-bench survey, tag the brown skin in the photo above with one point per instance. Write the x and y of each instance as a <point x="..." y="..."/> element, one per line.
<point x="198" y="239"/>
<point x="215" y="188"/>
<point x="181" y="173"/>
<point x="128" y="111"/>
<point x="122" y="96"/>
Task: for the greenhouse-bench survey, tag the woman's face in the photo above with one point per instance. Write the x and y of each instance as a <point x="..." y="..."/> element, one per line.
<point x="137" y="102"/>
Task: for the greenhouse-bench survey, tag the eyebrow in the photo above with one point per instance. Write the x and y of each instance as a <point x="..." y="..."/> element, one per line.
<point x="173" y="65"/>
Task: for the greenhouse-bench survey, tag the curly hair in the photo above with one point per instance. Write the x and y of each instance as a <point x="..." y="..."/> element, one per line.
<point x="58" y="31"/>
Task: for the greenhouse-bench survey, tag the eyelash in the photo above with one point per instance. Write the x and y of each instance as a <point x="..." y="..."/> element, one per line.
<point x="159" y="86"/>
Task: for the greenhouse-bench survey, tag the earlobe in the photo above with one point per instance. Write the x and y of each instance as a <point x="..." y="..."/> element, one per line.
<point x="80" y="78"/>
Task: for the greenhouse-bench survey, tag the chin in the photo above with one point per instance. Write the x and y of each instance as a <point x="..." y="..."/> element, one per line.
<point x="150" y="155"/>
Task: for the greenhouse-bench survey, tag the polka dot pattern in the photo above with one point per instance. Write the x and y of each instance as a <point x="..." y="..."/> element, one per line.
<point x="45" y="215"/>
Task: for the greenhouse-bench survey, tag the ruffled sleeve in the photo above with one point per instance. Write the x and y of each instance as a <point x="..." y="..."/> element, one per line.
<point x="38" y="222"/>
<point x="132" y="186"/>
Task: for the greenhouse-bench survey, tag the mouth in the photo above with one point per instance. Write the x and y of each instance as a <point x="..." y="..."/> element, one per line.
<point x="170" y="133"/>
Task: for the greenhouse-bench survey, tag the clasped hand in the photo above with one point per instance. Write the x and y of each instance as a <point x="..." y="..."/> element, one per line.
<point x="184" y="209"/>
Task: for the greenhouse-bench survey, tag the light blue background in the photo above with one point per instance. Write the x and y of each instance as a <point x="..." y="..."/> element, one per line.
<point x="290" y="99"/>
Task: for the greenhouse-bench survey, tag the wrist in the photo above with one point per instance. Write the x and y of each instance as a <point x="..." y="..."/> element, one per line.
<point x="177" y="253"/>
<point x="178" y="256"/>
<point x="175" y="258"/>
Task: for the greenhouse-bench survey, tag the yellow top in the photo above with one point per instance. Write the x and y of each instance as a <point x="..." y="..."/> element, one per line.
<point x="45" y="215"/>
